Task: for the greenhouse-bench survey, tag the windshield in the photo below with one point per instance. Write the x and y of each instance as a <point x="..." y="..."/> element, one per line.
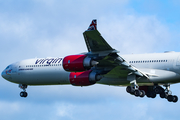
<point x="7" y="67"/>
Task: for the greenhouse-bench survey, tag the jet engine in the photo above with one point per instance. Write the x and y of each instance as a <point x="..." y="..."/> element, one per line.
<point x="78" y="63"/>
<point x="84" y="78"/>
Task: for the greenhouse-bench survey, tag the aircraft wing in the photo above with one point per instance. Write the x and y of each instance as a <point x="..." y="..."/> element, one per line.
<point x="95" y="42"/>
<point x="107" y="57"/>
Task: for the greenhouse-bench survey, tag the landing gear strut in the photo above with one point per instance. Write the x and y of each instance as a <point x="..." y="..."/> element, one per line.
<point x="23" y="93"/>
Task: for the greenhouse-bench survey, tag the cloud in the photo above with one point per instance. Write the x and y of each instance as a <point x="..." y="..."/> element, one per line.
<point x="122" y="34"/>
<point x="45" y="33"/>
<point x="132" y="34"/>
<point x="8" y="109"/>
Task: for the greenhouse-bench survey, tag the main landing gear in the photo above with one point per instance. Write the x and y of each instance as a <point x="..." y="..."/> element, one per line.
<point x="134" y="88"/>
<point x="135" y="91"/>
<point x="152" y="91"/>
<point x="23" y="93"/>
<point x="165" y="93"/>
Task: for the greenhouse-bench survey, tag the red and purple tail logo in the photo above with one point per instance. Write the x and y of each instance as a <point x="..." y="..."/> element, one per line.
<point x="93" y="25"/>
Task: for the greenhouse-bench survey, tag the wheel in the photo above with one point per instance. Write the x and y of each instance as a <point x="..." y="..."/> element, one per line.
<point x="129" y="89"/>
<point x="148" y="94"/>
<point x="170" y="98"/>
<point x="142" y="93"/>
<point x="23" y="94"/>
<point x="175" y="98"/>
<point x="137" y="93"/>
<point x="158" y="90"/>
<point x="153" y="94"/>
<point x="162" y="95"/>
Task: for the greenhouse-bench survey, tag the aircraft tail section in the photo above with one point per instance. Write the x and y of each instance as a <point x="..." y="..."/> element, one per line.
<point x="93" y="25"/>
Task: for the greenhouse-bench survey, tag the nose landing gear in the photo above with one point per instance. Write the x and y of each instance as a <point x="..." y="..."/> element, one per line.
<point x="23" y="93"/>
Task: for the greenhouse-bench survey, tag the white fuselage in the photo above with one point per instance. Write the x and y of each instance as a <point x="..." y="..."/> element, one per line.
<point x="161" y="68"/>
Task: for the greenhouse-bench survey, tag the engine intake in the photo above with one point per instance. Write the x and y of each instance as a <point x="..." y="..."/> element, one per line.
<point x="84" y="78"/>
<point x="78" y="63"/>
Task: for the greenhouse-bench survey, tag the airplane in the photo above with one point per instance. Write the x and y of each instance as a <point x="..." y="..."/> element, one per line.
<point x="142" y="74"/>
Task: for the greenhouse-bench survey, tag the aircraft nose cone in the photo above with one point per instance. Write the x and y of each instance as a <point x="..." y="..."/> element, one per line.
<point x="3" y="74"/>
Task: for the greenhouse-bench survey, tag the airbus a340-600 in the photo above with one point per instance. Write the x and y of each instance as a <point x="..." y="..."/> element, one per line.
<point x="143" y="74"/>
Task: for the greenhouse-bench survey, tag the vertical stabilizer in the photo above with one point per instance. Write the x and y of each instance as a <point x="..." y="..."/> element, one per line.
<point x="93" y="25"/>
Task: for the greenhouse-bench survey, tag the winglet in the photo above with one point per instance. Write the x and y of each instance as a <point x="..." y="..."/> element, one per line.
<point x="93" y="25"/>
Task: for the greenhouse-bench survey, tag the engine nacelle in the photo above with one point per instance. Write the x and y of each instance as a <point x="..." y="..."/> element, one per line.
<point x="78" y="63"/>
<point x="84" y="78"/>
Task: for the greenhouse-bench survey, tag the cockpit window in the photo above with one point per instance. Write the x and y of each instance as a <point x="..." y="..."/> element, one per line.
<point x="7" y="67"/>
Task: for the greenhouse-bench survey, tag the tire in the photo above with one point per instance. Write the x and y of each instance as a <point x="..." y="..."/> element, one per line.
<point x="148" y="94"/>
<point x="137" y="93"/>
<point x="129" y="89"/>
<point x="22" y="94"/>
<point x="142" y="93"/>
<point x="156" y="90"/>
<point x="162" y="95"/>
<point x="170" y="98"/>
<point x="153" y="94"/>
<point x="25" y="94"/>
<point x="175" y="98"/>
